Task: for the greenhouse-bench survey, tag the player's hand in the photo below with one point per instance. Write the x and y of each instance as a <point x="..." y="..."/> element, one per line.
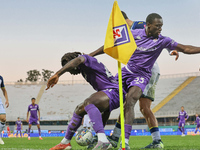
<point x="185" y="119"/>
<point x="38" y="119"/>
<point x="27" y="120"/>
<point x="174" y="52"/>
<point x="7" y="104"/>
<point x="52" y="81"/>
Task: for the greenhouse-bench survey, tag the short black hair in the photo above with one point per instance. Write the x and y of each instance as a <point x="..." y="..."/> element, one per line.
<point x="124" y="14"/>
<point x="150" y="18"/>
<point x="17" y="117"/>
<point x="33" y="98"/>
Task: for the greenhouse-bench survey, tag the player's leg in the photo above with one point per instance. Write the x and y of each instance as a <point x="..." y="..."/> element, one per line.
<point x="2" y="120"/>
<point x="21" y="133"/>
<point x="183" y="129"/>
<point x="73" y="125"/>
<point x="132" y="97"/>
<point x="196" y="129"/>
<point x="17" y="134"/>
<point x="29" y="129"/>
<point x="94" y="105"/>
<point x="145" y="108"/>
<point x="39" y="130"/>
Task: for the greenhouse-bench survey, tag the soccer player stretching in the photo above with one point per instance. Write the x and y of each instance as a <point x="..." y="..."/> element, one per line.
<point x="183" y="116"/>
<point x="18" y="125"/>
<point x="33" y="108"/>
<point x="2" y="110"/>
<point x="198" y="123"/>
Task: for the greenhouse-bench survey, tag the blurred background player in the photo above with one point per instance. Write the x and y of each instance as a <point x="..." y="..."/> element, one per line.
<point x="2" y="110"/>
<point x="86" y="122"/>
<point x="18" y="125"/>
<point x="34" y="109"/>
<point x="8" y="130"/>
<point x="198" y="124"/>
<point x="183" y="116"/>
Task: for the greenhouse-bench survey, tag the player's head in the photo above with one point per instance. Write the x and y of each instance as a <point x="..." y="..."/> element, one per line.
<point x="18" y="118"/>
<point x="33" y="100"/>
<point x="124" y="15"/>
<point x="154" y="24"/>
<point x="197" y="115"/>
<point x="68" y="57"/>
<point x="182" y="108"/>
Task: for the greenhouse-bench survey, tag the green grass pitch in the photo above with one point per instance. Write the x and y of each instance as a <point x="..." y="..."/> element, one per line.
<point x="136" y="142"/>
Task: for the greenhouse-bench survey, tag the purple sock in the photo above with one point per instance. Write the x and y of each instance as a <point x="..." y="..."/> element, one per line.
<point x="39" y="131"/>
<point x="95" y="117"/>
<point x="74" y="124"/>
<point x="29" y="129"/>
<point x="128" y="129"/>
<point x="180" y="129"/>
<point x="196" y="131"/>
<point x="183" y="130"/>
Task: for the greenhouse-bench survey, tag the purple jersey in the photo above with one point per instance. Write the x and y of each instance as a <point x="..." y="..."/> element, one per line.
<point x="33" y="111"/>
<point x="97" y="74"/>
<point x="18" y="123"/>
<point x="148" y="50"/>
<point x="197" y="120"/>
<point x="182" y="116"/>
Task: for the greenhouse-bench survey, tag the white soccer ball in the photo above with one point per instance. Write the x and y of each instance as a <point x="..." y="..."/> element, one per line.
<point x="84" y="137"/>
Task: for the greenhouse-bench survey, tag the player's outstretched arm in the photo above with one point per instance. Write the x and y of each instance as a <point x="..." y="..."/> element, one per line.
<point x="6" y="96"/>
<point x="68" y="67"/>
<point x="187" y="49"/>
<point x="99" y="51"/>
<point x="27" y="116"/>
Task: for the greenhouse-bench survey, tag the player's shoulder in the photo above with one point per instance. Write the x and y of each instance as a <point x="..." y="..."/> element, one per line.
<point x="138" y="25"/>
<point x="138" y="33"/>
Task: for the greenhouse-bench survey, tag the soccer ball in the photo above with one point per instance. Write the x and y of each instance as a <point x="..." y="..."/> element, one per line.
<point x="84" y="137"/>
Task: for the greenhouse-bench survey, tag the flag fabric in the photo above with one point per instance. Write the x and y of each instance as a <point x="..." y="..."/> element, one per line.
<point x="119" y="41"/>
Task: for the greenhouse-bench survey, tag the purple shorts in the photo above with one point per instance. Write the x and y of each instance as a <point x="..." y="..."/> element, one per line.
<point x="181" y="123"/>
<point x="198" y="126"/>
<point x="130" y="79"/>
<point x="33" y="120"/>
<point x="18" y="129"/>
<point x="113" y="95"/>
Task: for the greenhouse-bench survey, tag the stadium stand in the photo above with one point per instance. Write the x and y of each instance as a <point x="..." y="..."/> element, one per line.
<point x="187" y="97"/>
<point x="59" y="102"/>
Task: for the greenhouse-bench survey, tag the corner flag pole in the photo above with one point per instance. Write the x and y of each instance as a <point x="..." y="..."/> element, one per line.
<point x="121" y="105"/>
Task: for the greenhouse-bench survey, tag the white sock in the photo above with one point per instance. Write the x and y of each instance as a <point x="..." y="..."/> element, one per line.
<point x="102" y="137"/>
<point x="126" y="141"/>
<point x="39" y="136"/>
<point x="65" y="141"/>
<point x="2" y="126"/>
<point x="116" y="132"/>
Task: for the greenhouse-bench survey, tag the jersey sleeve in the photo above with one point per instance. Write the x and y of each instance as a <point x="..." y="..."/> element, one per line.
<point x="186" y="115"/>
<point x="2" y="82"/>
<point x="28" y="108"/>
<point x="170" y="44"/>
<point x="38" y="107"/>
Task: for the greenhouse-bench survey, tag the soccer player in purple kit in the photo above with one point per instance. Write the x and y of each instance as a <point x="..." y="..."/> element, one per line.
<point x="198" y="124"/>
<point x="34" y="118"/>
<point x="18" y="125"/>
<point x="137" y="72"/>
<point x="105" y="99"/>
<point x="183" y="116"/>
<point x="2" y="109"/>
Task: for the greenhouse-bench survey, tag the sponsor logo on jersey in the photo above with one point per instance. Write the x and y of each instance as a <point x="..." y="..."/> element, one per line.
<point x="120" y="34"/>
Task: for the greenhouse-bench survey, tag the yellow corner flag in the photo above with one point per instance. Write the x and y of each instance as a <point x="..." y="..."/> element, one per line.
<point x="119" y="41"/>
<point x="120" y="45"/>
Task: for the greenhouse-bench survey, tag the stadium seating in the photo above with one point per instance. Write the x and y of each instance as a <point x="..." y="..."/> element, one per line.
<point x="59" y="102"/>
